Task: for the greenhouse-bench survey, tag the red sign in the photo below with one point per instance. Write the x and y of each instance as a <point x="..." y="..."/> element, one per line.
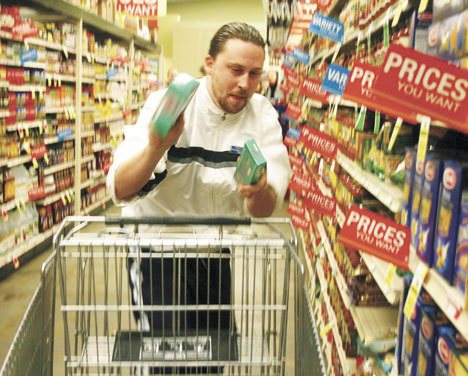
<point x="377" y="235"/>
<point x="430" y="85"/>
<point x="293" y="111"/>
<point x="295" y="208"/>
<point x="300" y="222"/>
<point x="323" y="5"/>
<point x="140" y="8"/>
<point x="359" y="89"/>
<point x="321" y="204"/>
<point x="36" y="193"/>
<point x="318" y="141"/>
<point x="313" y="89"/>
<point x="295" y="160"/>
<point x="292" y="80"/>
<point x="38" y="151"/>
<point x="25" y="29"/>
<point x="290" y="141"/>
<point x="300" y="183"/>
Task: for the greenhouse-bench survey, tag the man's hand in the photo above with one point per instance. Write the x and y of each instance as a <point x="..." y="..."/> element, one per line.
<point x="260" y="198"/>
<point x="158" y="143"/>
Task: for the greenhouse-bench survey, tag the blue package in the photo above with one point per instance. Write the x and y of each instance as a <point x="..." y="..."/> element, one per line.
<point x="400" y="349"/>
<point x="461" y="256"/>
<point x="428" y="207"/>
<point x="418" y="182"/>
<point x="448" y="215"/>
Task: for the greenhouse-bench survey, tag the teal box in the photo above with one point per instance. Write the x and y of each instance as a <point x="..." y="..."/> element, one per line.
<point x="251" y="164"/>
<point x="175" y="100"/>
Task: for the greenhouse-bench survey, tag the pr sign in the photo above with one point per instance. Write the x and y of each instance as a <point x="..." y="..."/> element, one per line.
<point x="430" y="85"/>
<point x="371" y="233"/>
<point x="359" y="89"/>
<point x="318" y="141"/>
<point x="300" y="183"/>
<point x="320" y="204"/>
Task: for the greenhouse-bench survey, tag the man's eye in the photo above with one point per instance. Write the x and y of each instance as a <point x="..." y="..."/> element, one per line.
<point x="255" y="74"/>
<point x="236" y="70"/>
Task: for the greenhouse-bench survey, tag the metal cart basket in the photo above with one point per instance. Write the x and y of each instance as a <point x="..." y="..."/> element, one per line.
<point x="175" y="295"/>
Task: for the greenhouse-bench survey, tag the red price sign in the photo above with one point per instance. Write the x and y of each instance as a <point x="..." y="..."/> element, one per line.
<point x="295" y="161"/>
<point x="320" y="204"/>
<point x="295" y="208"/>
<point x="318" y="141"/>
<point x="300" y="183"/>
<point x="36" y="193"/>
<point x="313" y="89"/>
<point x="38" y="152"/>
<point x="430" y="85"/>
<point x="377" y="235"/>
<point x="293" y="111"/>
<point x="140" y="8"/>
<point x="300" y="222"/>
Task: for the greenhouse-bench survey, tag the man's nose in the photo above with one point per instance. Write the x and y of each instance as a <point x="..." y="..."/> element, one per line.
<point x="244" y="81"/>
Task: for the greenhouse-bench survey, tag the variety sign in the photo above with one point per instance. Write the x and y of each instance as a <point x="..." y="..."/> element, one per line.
<point x="377" y="235"/>
<point x="430" y="85"/>
<point x="335" y="79"/>
<point x="327" y="27"/>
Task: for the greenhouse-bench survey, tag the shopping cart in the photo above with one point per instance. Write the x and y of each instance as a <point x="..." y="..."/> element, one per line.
<point x="224" y="309"/>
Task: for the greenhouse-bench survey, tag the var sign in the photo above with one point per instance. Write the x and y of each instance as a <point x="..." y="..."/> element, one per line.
<point x="140" y="8"/>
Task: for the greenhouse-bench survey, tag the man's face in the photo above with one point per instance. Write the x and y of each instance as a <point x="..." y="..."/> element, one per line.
<point x="234" y="74"/>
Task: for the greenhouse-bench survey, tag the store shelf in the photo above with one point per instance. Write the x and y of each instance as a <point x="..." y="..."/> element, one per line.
<point x="28" y="64"/>
<point x="26" y="125"/>
<point x="12" y="162"/>
<point x="88" y="80"/>
<point x="101" y="60"/>
<point x="55" y="197"/>
<point x="26" y="88"/>
<point x="10" y="205"/>
<point x="59" y="77"/>
<point x="98" y="146"/>
<point x="58" y="167"/>
<point x="58" y="110"/>
<point x="49" y="45"/>
<point x="109" y="119"/>
<point x="87" y="158"/>
<point x="87" y="134"/>
<point x="333" y="321"/>
<point x="449" y="299"/>
<point x="67" y="8"/>
<point x="55" y="139"/>
<point x="96" y="205"/>
<point x="310" y="270"/>
<point x="87" y="109"/>
<point x="340" y="281"/>
<point x="387" y="193"/>
<point x="379" y="269"/>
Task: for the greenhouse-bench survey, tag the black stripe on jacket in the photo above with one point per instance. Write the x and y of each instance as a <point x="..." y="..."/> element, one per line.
<point x="208" y="158"/>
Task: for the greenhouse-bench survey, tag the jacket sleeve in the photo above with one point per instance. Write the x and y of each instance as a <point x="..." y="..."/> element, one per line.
<point x="135" y="139"/>
<point x="275" y="153"/>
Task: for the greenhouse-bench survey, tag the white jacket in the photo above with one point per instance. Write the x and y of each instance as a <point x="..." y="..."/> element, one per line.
<point x="196" y="177"/>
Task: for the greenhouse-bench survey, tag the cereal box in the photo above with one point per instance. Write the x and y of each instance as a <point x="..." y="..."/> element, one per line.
<point x="411" y="340"/>
<point x="458" y="364"/>
<point x="428" y="207"/>
<point x="410" y="161"/>
<point x="449" y="344"/>
<point x="454" y="177"/>
<point x="251" y="164"/>
<point x="461" y="256"/>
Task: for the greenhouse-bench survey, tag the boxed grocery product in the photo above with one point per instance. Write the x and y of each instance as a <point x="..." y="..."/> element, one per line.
<point x="411" y="339"/>
<point x="400" y="349"/>
<point x="410" y="161"/>
<point x="178" y="95"/>
<point x="448" y="38"/>
<point x="428" y="207"/>
<point x="453" y="180"/>
<point x="458" y="364"/>
<point x="444" y="8"/>
<point x="461" y="256"/>
<point x="251" y="164"/>
<point x="414" y="217"/>
<point x="449" y="344"/>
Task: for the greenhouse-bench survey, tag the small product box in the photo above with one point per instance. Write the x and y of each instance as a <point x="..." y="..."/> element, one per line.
<point x="454" y="179"/>
<point x="428" y="207"/>
<point x="449" y="345"/>
<point x="175" y="100"/>
<point x="251" y="164"/>
<point x="410" y="162"/>
<point x="461" y="256"/>
<point x="411" y="339"/>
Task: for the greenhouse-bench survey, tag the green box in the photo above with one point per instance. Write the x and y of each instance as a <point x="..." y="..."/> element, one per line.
<point x="178" y="95"/>
<point x="251" y="164"/>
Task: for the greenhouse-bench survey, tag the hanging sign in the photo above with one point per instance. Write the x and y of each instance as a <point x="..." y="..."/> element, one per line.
<point x="301" y="56"/>
<point x="293" y="111"/>
<point x="139" y="8"/>
<point x="36" y="193"/>
<point x="300" y="222"/>
<point x="320" y="204"/>
<point x="430" y="85"/>
<point x="28" y="55"/>
<point x="327" y="27"/>
<point x="313" y="89"/>
<point x="38" y="152"/>
<point x="295" y="208"/>
<point x="292" y="81"/>
<point x="300" y="183"/>
<point x="318" y="141"/>
<point x="290" y="141"/>
<point x="359" y="89"/>
<point x="335" y="79"/>
<point x="372" y="233"/>
<point x="295" y="160"/>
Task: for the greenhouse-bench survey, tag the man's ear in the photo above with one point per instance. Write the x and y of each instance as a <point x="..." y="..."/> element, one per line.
<point x="209" y="61"/>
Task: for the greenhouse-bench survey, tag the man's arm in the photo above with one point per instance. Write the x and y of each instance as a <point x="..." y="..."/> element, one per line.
<point x="134" y="173"/>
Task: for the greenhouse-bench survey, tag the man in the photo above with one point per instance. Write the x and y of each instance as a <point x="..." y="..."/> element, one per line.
<point x="190" y="172"/>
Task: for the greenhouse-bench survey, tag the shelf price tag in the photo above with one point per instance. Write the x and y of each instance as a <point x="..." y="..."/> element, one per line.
<point x="35" y="164"/>
<point x="423" y="137"/>
<point x="401" y="5"/>
<point x="422" y="6"/>
<point x="369" y="37"/>
<point x="359" y="126"/>
<point x="65" y="52"/>
<point x="395" y="132"/>
<point x="415" y="289"/>
<point x="386" y="33"/>
<point x="390" y="274"/>
<point x="46" y="159"/>
<point x="63" y="198"/>
<point x="377" y="122"/>
<point x="335" y="54"/>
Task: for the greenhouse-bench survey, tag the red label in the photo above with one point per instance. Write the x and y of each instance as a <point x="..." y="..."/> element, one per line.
<point x="290" y="141"/>
<point x="371" y="233"/>
<point x="430" y="85"/>
<point x="38" y="151"/>
<point x="426" y="327"/>
<point x="140" y="8"/>
<point x="294" y="208"/>
<point x="318" y="141"/>
<point x="300" y="183"/>
<point x="359" y="89"/>
<point x="25" y="29"/>
<point x="323" y="5"/>
<point x="321" y="204"/>
<point x="313" y="89"/>
<point x="444" y="351"/>
<point x="293" y="80"/>
<point x="450" y="178"/>
<point x="295" y="160"/>
<point x="36" y="193"/>
<point x="293" y="111"/>
<point x="300" y="222"/>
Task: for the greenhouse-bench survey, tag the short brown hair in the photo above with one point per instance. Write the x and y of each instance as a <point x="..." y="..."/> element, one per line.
<point x="234" y="30"/>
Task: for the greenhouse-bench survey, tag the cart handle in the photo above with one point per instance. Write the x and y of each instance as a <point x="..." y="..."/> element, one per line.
<point x="177" y="221"/>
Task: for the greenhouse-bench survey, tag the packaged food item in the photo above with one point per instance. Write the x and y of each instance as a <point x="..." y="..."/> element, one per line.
<point x="417" y="187"/>
<point x="444" y="8"/>
<point x="449" y="344"/>
<point x="410" y="162"/>
<point x="458" y="363"/>
<point x="178" y="95"/>
<point x="453" y="180"/>
<point x="251" y="164"/>
<point x="411" y="340"/>
<point x="428" y="207"/>
<point x="461" y="257"/>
